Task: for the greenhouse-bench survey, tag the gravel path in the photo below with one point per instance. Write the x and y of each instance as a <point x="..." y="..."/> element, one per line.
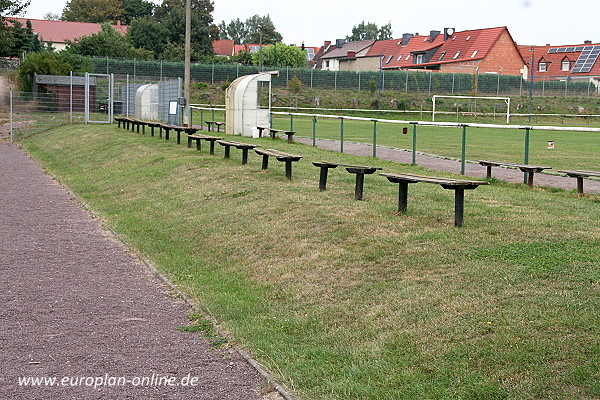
<point x="74" y="303"/>
<point x="440" y="164"/>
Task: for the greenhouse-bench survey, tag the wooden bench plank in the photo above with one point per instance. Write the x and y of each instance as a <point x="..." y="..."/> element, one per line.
<point x="238" y="145"/>
<point x="458" y="185"/>
<point x="579" y="175"/>
<point x="198" y="137"/>
<point x="526" y="168"/>
<point x="359" y="170"/>
<point x="280" y="156"/>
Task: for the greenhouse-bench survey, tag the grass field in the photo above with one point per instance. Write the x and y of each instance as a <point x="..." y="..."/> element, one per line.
<point x="573" y="150"/>
<point x="349" y="300"/>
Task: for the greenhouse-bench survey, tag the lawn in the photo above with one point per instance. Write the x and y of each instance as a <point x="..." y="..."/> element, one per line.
<point x="343" y="299"/>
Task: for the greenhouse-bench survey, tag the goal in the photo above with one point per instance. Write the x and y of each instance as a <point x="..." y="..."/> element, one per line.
<point x="506" y="100"/>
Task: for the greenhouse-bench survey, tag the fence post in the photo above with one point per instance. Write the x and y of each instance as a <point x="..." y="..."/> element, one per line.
<point x="453" y="76"/>
<point x="11" y="115"/>
<point x="161" y="70"/>
<point x="358" y="81"/>
<point x="71" y="98"/>
<point x="429" y="89"/>
<point x="314" y="141"/>
<point x="566" y="86"/>
<point x="406" y="82"/>
<point x="464" y="149"/>
<point x="414" y="144"/>
<point x="526" y="157"/>
<point x="341" y="134"/>
<point x="127" y="96"/>
<point x="134" y="69"/>
<point x="291" y="122"/>
<point x="334" y="80"/>
<point x="374" y="138"/>
<point x="212" y="75"/>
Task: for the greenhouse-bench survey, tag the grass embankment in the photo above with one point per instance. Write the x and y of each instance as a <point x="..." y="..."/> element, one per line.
<point x="348" y="300"/>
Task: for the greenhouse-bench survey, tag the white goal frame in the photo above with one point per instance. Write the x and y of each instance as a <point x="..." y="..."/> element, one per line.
<point x="506" y="100"/>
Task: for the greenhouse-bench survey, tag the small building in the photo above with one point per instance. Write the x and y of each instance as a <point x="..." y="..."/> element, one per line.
<point x="57" y="33"/>
<point x="574" y="62"/>
<point x="343" y="56"/>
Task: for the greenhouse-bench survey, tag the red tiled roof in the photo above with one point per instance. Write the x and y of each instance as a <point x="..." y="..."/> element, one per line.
<point x="61" y="31"/>
<point x="554" y="60"/>
<point x="461" y="46"/>
<point x="224" y="47"/>
<point x="342" y="52"/>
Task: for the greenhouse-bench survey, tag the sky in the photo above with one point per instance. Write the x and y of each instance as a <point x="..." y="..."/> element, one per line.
<point x="530" y="22"/>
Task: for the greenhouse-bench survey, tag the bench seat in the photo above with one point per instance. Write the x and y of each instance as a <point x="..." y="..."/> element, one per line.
<point x="228" y="144"/>
<point x="526" y="168"/>
<point x="273" y="131"/>
<point x="199" y="137"/>
<point x="458" y="185"/>
<point x="580" y="174"/>
<point x="359" y="170"/>
<point x="280" y="156"/>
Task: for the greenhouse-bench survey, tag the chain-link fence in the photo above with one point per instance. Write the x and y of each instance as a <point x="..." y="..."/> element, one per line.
<point x="398" y="81"/>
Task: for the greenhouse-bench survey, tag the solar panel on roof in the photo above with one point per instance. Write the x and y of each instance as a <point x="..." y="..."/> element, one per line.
<point x="552" y="51"/>
<point x="586" y="59"/>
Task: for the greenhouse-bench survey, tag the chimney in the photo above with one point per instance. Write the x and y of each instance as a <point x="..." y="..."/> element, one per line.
<point x="339" y="43"/>
<point x="587" y="42"/>
<point x="118" y="22"/>
<point x="406" y="38"/>
<point x="448" y="32"/>
<point x="433" y="35"/>
<point x="351" y="54"/>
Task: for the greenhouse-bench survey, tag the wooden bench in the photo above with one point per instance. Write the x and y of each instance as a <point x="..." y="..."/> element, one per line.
<point x="211" y="124"/>
<point x="242" y="146"/>
<point x="120" y="120"/>
<point x="359" y="170"/>
<point x="273" y="131"/>
<point x="580" y="174"/>
<point x="529" y="169"/>
<point x="152" y="125"/>
<point x="199" y="137"/>
<point x="458" y="185"/>
<point x="280" y="156"/>
<point x="187" y="129"/>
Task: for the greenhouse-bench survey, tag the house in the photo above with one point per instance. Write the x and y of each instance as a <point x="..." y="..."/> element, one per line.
<point x="343" y="56"/>
<point x="228" y="48"/>
<point x="490" y="50"/>
<point x="576" y="62"/>
<point x="57" y="33"/>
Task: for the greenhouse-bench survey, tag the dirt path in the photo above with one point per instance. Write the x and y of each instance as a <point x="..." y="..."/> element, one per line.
<point x="75" y="306"/>
<point x="440" y="164"/>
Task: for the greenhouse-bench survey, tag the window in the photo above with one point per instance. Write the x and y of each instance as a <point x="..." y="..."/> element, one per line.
<point x="456" y="55"/>
<point x="326" y="64"/>
<point x="419" y="59"/>
<point x="399" y="57"/>
<point x="389" y="59"/>
<point x="542" y="66"/>
<point x="468" y="37"/>
<point x="565" y="65"/>
<point x="441" y="56"/>
<point x="474" y="53"/>
<point x="407" y="57"/>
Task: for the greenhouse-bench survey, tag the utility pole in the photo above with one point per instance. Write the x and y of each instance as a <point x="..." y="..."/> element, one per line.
<point x="186" y="71"/>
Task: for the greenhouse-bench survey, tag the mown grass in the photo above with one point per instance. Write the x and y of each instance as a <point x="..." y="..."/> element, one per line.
<point x="349" y="300"/>
<point x="572" y="150"/>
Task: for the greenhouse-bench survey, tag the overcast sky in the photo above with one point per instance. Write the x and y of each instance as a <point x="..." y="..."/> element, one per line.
<point x="314" y="21"/>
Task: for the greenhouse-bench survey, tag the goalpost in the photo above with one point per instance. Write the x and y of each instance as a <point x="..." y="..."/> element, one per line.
<point x="506" y="100"/>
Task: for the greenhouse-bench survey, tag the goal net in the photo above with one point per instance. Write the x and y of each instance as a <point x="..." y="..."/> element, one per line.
<point x="471" y="103"/>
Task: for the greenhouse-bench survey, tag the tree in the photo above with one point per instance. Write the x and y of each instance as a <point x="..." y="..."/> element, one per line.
<point x="107" y="42"/>
<point x="50" y="16"/>
<point x="9" y="8"/>
<point x="236" y="30"/>
<point x="258" y="26"/>
<point x="135" y="9"/>
<point x="148" y="33"/>
<point x="96" y="11"/>
<point x="281" y="55"/>
<point x="370" y="31"/>
<point x="171" y="13"/>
